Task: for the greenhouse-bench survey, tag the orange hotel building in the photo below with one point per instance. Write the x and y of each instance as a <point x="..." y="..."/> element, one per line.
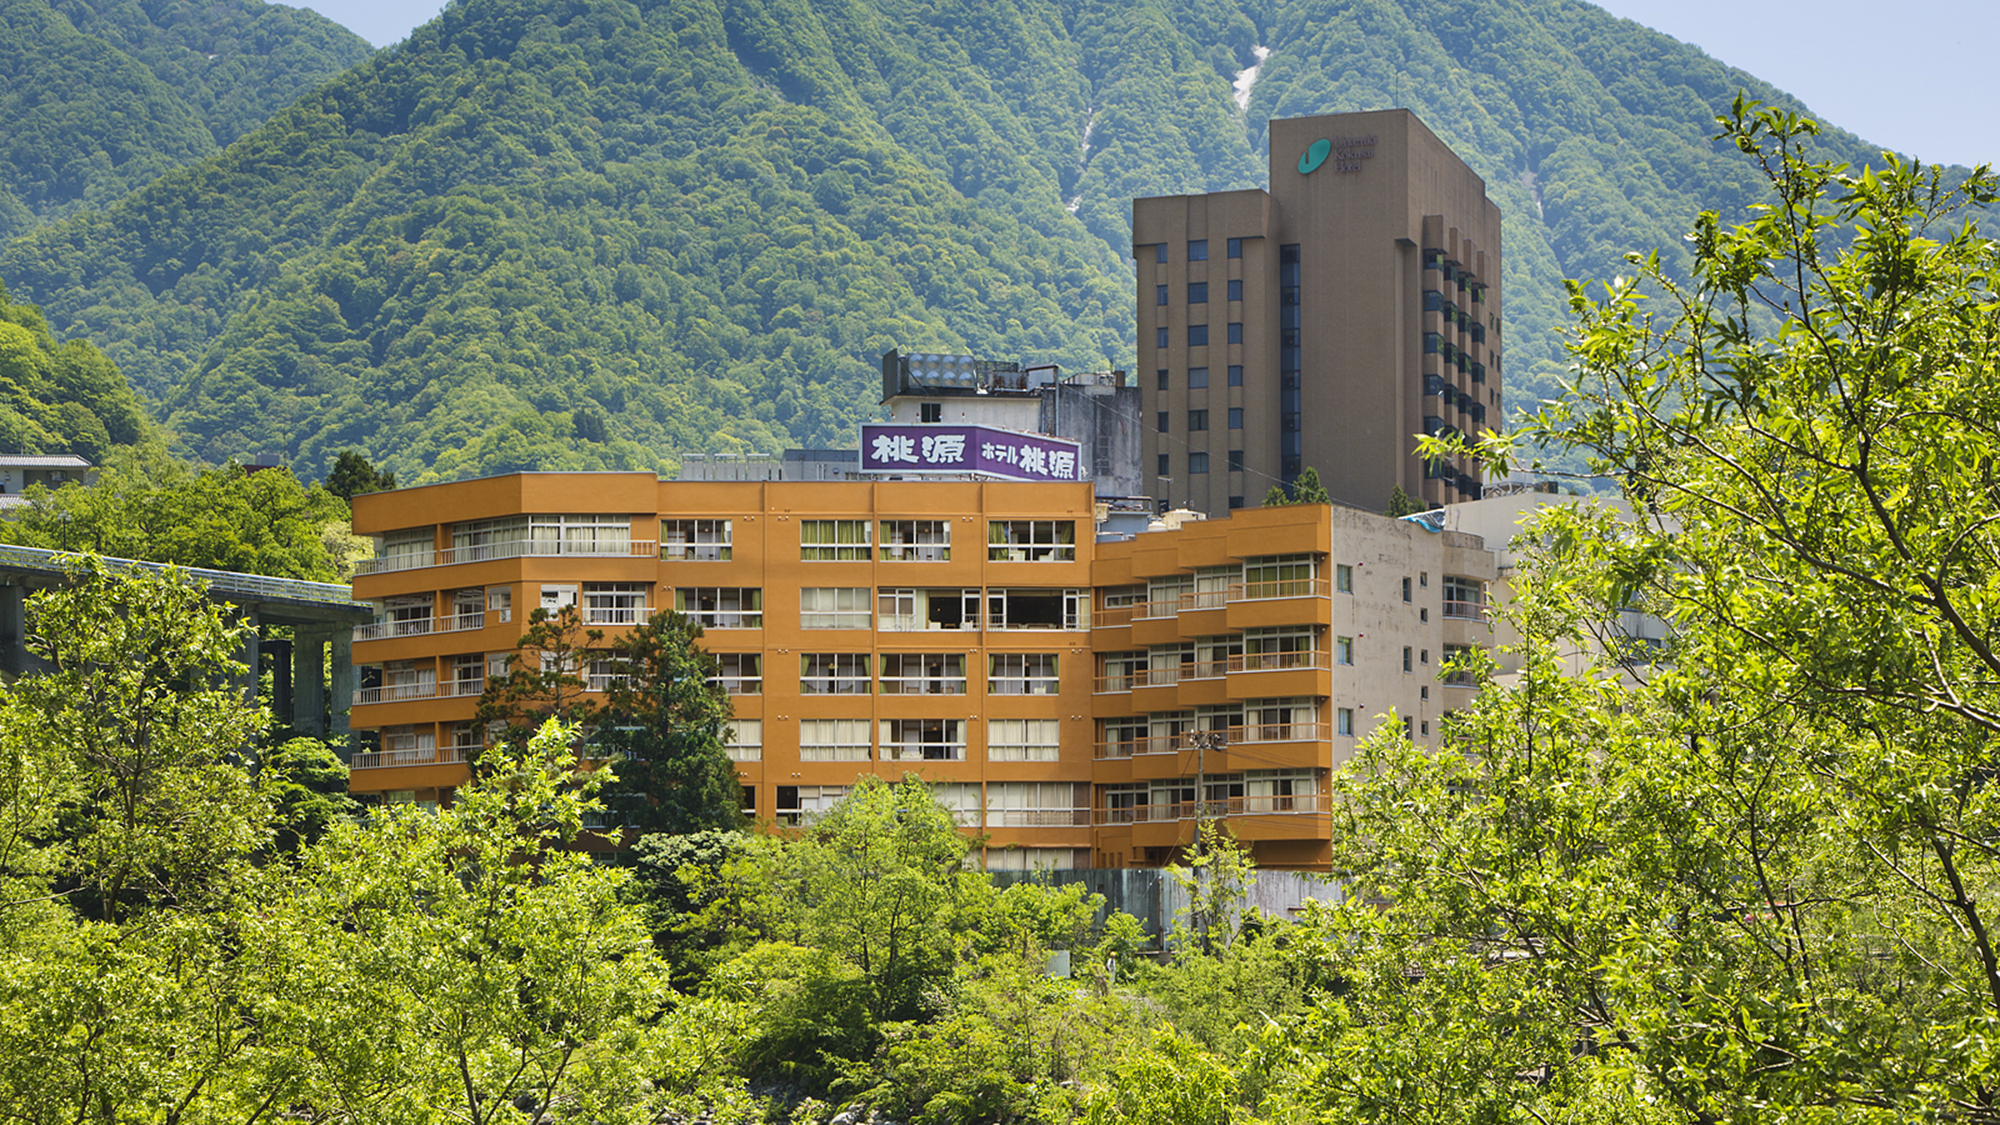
<point x="1076" y="702"/>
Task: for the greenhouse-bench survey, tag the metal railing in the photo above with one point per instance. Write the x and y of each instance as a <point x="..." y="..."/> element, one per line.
<point x="1281" y="588"/>
<point x="513" y="549"/>
<point x="421" y="626"/>
<point x="1114" y="616"/>
<point x="616" y="615"/>
<point x="388" y="759"/>
<point x="1246" y="734"/>
<point x="1173" y="607"/>
<point x="1467" y="611"/>
<point x="739" y="685"/>
<point x="1233" y="806"/>
<point x="923" y="752"/>
<point x="726" y="618"/>
<point x="923" y="685"/>
<point x="396" y="693"/>
<point x="1023" y="685"/>
<point x="224" y="581"/>
<point x="1281" y="661"/>
<point x="1037" y="818"/>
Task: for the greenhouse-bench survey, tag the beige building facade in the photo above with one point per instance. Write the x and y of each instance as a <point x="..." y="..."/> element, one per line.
<point x="1323" y="322"/>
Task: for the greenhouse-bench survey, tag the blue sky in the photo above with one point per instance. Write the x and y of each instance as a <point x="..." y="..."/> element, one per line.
<point x="1857" y="65"/>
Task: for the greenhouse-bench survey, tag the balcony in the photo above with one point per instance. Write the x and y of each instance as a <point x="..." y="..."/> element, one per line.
<point x="1281" y="588"/>
<point x="389" y="759"/>
<point x="1174" y="607"/>
<point x="1037" y="818"/>
<point x="396" y="693"/>
<point x="1246" y="735"/>
<point x="420" y="626"/>
<point x="1288" y="804"/>
<point x="513" y="549"/>
<point x="923" y="752"/>
<point x="1281" y="661"/>
<point x="1466" y="611"/>
<point x="617" y="615"/>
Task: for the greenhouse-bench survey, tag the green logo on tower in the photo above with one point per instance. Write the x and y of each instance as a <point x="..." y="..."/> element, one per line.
<point x="1347" y="153"/>
<point x="1315" y="156"/>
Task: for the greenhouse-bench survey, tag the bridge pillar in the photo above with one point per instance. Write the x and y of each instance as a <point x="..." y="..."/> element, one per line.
<point x="343" y="681"/>
<point x="13" y="628"/>
<point x="309" y="682"/>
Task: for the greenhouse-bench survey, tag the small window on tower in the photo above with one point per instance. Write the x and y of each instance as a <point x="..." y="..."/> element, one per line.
<point x="933" y="412"/>
<point x="1235" y="250"/>
<point x="1198" y="250"/>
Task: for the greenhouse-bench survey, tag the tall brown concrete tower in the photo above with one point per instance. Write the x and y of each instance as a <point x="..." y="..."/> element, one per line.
<point x="1324" y="322"/>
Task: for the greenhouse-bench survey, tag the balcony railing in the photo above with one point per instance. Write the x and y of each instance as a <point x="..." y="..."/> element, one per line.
<point x="923" y="685"/>
<point x="739" y="685"/>
<point x="1281" y="588"/>
<point x="1291" y="804"/>
<point x="1114" y="616"/>
<point x="1173" y="607"/>
<point x="1247" y="734"/>
<point x="421" y="626"/>
<point x="923" y="752"/>
<point x="459" y="689"/>
<point x="396" y="693"/>
<point x="1281" y="661"/>
<point x="387" y="759"/>
<point x="1163" y="677"/>
<point x="1037" y="818"/>
<point x="617" y="615"/>
<point x="513" y="549"/>
<point x="1468" y="611"/>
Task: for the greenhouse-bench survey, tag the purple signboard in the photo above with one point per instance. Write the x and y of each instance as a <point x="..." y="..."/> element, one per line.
<point x="889" y="448"/>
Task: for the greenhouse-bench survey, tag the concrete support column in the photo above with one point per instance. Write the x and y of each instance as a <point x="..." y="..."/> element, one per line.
<point x="343" y="681"/>
<point x="251" y="654"/>
<point x="13" y="629"/>
<point x="280" y="652"/>
<point x="309" y="683"/>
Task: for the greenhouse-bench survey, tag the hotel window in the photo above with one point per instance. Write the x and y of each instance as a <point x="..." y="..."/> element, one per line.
<point x="466" y="741"/>
<point x="923" y="673"/>
<point x="1235" y="502"/>
<point x="500" y="603"/>
<point x="834" y="673"/>
<point x="1344" y="721"/>
<point x="1163" y="421"/>
<point x="1343" y="650"/>
<point x="1236" y="289"/>
<point x="1235" y="248"/>
<point x="739" y="673"/>
<point x="1343" y="578"/>
<point x="1037" y="804"/>
<point x="1038" y="609"/>
<point x="1235" y="332"/>
<point x="1197" y="463"/>
<point x="833" y="740"/>
<point x="695" y="540"/>
<point x="962" y="798"/>
<point x="1197" y="335"/>
<point x="833" y="540"/>
<point x="1031" y="541"/>
<point x="1235" y="417"/>
<point x="1159" y="294"/>
<point x="1160" y="253"/>
<point x="1197" y="378"/>
<point x="468" y="675"/>
<point x="923" y="740"/>
<point x="910" y="610"/>
<point x="1160" y="378"/>
<point x="1164" y="467"/>
<point x="1279" y="576"/>
<point x="615" y="603"/>
<point x="801" y="804"/>
<point x="1160" y="338"/>
<point x="406" y="549"/>
<point x="1198" y="250"/>
<point x="721" y="607"/>
<point x="746" y="742"/>
<point x="1407" y="663"/>
<point x="835" y="607"/>
<point x="1023" y="740"/>
<point x="409" y="744"/>
<point x="1197" y="292"/>
<point x="915" y="541"/>
<point x="1235" y="374"/>
<point x="1406" y="588"/>
<point x="1023" y="673"/>
<point x="605" y="672"/>
<point x="1197" y="420"/>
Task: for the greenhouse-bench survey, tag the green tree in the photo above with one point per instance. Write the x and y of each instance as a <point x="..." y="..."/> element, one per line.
<point x="1307" y="489"/>
<point x="666" y="722"/>
<point x="1756" y="881"/>
<point x="306" y="783"/>
<point x="1402" y="503"/>
<point x="354" y="475"/>
<point x="544" y="678"/>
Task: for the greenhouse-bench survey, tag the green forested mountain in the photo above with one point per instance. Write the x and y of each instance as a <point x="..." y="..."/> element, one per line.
<point x="98" y="97"/>
<point x="589" y="233"/>
<point x="59" y="398"/>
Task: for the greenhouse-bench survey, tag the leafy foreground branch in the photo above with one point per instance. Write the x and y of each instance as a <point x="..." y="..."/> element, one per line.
<point x="1756" y="881"/>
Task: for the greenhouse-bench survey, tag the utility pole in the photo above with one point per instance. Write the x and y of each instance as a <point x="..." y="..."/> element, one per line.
<point x="1203" y="740"/>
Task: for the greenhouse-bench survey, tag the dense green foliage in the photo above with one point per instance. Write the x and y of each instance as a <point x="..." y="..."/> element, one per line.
<point x="594" y="233"/>
<point x="145" y="505"/>
<point x="354" y="475"/>
<point x="59" y="398"/>
<point x="102" y="96"/>
<point x="665" y="722"/>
